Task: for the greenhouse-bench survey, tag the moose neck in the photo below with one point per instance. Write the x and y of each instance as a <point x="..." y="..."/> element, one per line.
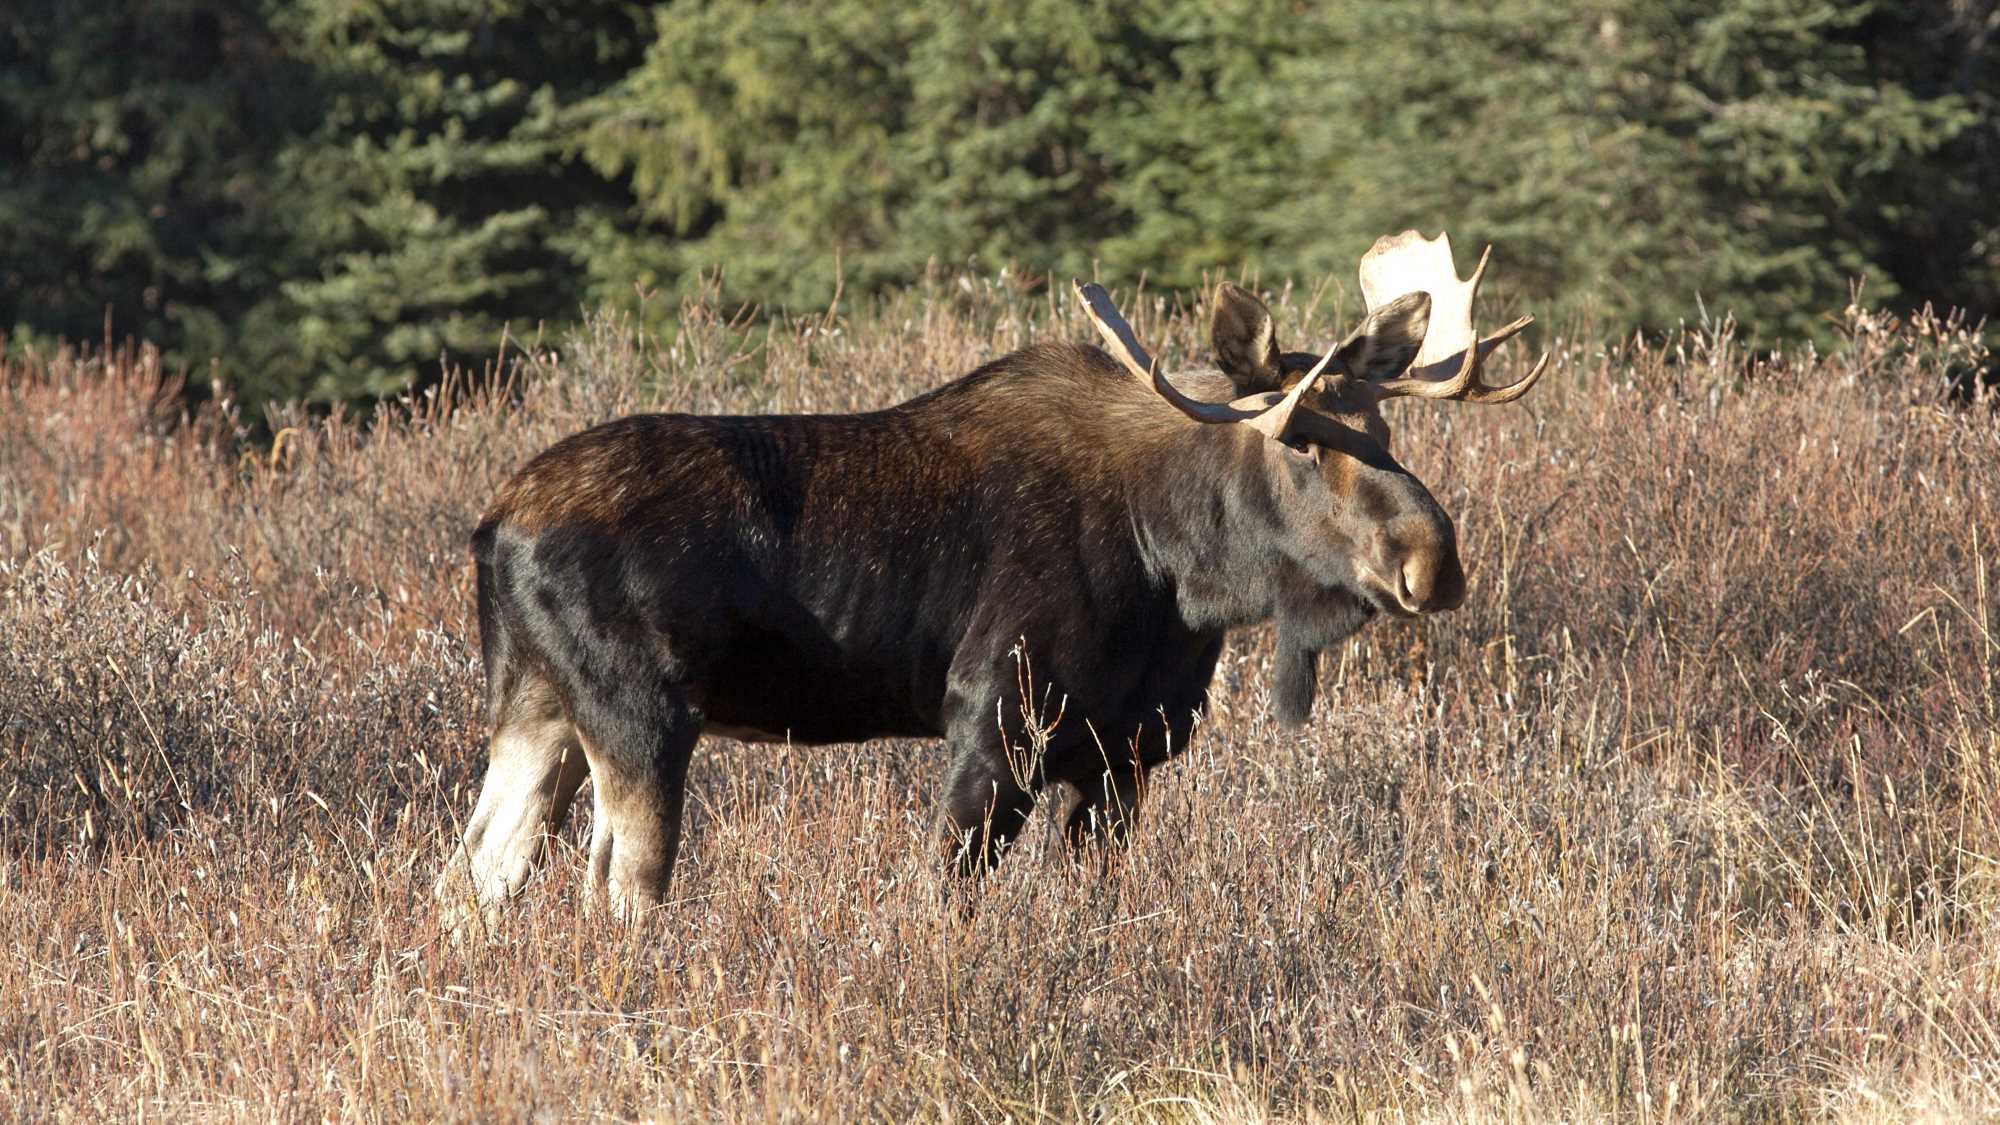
<point x="1207" y="514"/>
<point x="1209" y="520"/>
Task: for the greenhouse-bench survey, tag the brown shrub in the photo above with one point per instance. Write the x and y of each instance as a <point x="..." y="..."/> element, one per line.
<point x="1688" y="813"/>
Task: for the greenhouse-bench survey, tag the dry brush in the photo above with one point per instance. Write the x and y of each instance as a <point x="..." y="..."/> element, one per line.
<point x="1689" y="813"/>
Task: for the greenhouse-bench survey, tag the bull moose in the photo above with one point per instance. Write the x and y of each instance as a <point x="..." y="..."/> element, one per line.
<point x="835" y="578"/>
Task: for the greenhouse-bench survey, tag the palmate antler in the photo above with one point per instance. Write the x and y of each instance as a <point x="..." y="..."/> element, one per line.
<point x="1448" y="365"/>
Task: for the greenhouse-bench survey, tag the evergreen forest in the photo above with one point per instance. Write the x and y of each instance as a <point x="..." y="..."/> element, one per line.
<point x="319" y="199"/>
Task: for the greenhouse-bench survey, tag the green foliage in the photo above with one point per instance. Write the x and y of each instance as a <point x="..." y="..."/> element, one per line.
<point x="1631" y="155"/>
<point x="441" y="205"/>
<point x="320" y="197"/>
<point x="778" y="141"/>
<point x="132" y="178"/>
<point x="316" y="196"/>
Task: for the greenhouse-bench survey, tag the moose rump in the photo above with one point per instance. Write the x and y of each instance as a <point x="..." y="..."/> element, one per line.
<point x="835" y="578"/>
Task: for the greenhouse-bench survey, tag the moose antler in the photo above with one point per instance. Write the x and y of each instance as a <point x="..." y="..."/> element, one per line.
<point x="1448" y="364"/>
<point x="1268" y="413"/>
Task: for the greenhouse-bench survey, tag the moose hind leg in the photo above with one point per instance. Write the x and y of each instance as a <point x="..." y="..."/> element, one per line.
<point x="639" y="756"/>
<point x="534" y="767"/>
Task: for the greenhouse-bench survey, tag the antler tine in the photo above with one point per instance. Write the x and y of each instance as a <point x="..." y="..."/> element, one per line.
<point x="1319" y="368"/>
<point x="1119" y="339"/>
<point x="1195" y="408"/>
<point x="1468" y="383"/>
<point x="1487" y="395"/>
<point x="1124" y="345"/>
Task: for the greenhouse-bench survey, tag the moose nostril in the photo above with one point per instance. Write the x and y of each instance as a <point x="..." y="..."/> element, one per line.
<point x="1414" y="583"/>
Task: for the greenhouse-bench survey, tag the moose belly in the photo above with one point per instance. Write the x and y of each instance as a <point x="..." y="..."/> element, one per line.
<point x="774" y="694"/>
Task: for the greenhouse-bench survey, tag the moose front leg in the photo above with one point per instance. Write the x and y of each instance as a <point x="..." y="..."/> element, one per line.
<point x="1104" y="810"/>
<point x="1108" y="798"/>
<point x="985" y="803"/>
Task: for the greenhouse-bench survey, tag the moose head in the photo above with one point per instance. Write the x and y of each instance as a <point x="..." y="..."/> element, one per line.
<point x="1354" y="532"/>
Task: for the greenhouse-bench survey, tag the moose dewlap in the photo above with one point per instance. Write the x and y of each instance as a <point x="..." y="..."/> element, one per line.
<point x="833" y="578"/>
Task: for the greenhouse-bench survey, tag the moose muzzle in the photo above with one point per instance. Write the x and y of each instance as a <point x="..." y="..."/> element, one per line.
<point x="1417" y="564"/>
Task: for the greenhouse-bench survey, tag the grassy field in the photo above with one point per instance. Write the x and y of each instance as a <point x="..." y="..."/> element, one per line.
<point x="1691" y="813"/>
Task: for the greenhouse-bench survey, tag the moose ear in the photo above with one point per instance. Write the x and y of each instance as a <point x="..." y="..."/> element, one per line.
<point x="1246" y="342"/>
<point x="1388" y="341"/>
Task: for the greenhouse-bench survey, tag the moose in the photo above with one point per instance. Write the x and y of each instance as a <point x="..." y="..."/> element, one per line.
<point x="835" y="578"/>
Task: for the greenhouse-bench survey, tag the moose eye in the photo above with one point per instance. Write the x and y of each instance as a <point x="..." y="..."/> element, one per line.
<point x="1299" y="446"/>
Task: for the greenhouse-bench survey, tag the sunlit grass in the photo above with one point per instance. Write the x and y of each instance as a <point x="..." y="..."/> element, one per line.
<point x="1689" y="814"/>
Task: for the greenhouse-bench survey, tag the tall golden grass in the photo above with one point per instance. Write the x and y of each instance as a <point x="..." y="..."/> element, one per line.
<point x="1691" y="813"/>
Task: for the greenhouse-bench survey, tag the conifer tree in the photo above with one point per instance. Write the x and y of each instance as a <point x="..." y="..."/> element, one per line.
<point x="1634" y="157"/>
<point x="134" y="142"/>
<point x="436" y="200"/>
<point x="318" y="198"/>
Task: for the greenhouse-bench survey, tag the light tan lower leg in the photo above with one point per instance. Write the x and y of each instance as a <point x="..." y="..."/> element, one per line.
<point x="534" y="768"/>
<point x="636" y="834"/>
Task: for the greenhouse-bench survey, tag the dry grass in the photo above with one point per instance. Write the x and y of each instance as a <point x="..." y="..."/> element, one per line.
<point x="1690" y="814"/>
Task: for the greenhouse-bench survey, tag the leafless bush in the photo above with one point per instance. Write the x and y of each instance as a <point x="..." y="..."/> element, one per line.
<point x="1689" y="813"/>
